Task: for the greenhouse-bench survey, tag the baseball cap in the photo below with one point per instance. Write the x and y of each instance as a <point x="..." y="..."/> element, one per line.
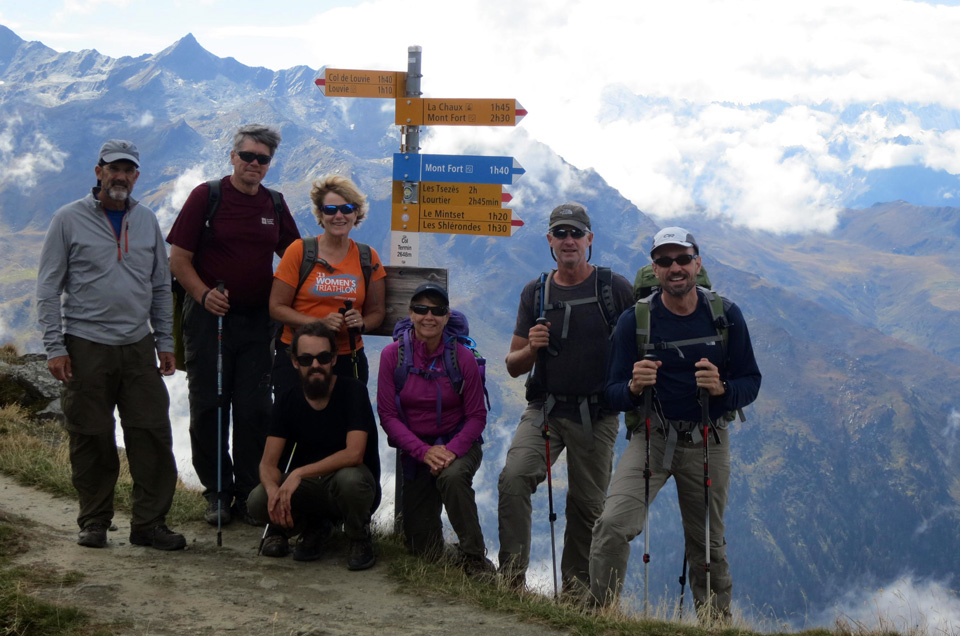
<point x="432" y="288"/>
<point x="572" y="214"/>
<point x="674" y="236"/>
<point x="119" y="150"/>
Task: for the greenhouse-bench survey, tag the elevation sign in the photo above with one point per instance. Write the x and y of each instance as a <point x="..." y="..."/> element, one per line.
<point x="341" y="82"/>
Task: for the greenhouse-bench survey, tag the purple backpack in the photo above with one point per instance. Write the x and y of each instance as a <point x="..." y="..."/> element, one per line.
<point x="456" y="332"/>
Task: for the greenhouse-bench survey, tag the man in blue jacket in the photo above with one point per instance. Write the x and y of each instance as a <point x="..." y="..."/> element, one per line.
<point x="690" y="356"/>
<point x="104" y="305"/>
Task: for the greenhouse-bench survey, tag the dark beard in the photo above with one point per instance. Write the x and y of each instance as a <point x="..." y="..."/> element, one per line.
<point x="316" y="386"/>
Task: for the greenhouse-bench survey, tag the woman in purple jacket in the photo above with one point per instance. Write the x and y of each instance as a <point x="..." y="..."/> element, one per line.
<point x="437" y="429"/>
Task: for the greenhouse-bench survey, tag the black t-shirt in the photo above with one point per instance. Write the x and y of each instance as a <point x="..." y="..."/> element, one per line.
<point x="319" y="434"/>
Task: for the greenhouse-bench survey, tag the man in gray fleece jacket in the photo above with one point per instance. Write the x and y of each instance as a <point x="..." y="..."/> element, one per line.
<point x="104" y="305"/>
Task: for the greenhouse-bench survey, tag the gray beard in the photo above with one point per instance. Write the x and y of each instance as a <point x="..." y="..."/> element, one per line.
<point x="118" y="194"/>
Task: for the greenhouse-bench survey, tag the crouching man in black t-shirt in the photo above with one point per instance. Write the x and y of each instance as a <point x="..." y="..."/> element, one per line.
<point x="324" y="433"/>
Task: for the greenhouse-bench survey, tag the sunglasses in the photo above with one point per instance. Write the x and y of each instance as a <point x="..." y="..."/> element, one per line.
<point x="345" y="209"/>
<point x="666" y="261"/>
<point x="250" y="157"/>
<point x="306" y="360"/>
<point x="421" y="310"/>
<point x="561" y="233"/>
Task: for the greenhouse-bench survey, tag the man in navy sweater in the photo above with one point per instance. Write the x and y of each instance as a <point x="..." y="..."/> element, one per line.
<point x="690" y="355"/>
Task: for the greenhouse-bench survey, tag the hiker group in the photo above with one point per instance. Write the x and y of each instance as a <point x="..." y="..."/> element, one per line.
<point x="282" y="428"/>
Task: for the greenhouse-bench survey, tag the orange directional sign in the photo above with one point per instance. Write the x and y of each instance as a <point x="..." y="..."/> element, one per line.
<point x="473" y="194"/>
<point x="415" y="111"/>
<point x="483" y="221"/>
<point x="339" y="82"/>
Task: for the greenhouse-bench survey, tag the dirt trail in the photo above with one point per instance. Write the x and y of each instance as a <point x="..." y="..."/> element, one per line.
<point x="228" y="590"/>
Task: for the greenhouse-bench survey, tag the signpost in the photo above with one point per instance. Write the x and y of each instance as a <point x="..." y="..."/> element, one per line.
<point x="339" y="82"/>
<point x="413" y="111"/>
<point x="456" y="168"/>
<point x="436" y="193"/>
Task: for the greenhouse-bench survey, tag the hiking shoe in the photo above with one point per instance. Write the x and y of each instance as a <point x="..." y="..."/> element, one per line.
<point x="478" y="567"/>
<point x="210" y="514"/>
<point x="239" y="511"/>
<point x="276" y="544"/>
<point x="362" y="555"/>
<point x="93" y="535"/>
<point x="309" y="546"/>
<point x="160" y="537"/>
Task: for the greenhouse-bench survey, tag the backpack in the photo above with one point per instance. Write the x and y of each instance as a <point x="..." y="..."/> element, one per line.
<point x="603" y="297"/>
<point x="645" y="288"/>
<point x="179" y="293"/>
<point x="457" y="332"/>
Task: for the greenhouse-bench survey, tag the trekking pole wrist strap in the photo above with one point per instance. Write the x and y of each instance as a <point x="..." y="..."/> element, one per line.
<point x="203" y="299"/>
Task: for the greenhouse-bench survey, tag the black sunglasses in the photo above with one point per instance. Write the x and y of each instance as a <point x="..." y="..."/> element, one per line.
<point x="561" y="233"/>
<point x="306" y="360"/>
<point x="666" y="261"/>
<point x="345" y="209"/>
<point x="250" y="157"/>
<point x="421" y="310"/>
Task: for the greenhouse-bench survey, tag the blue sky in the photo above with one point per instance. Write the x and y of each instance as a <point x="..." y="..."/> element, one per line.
<point x="738" y="107"/>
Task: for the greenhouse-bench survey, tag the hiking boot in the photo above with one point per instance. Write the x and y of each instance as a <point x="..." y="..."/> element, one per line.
<point x="93" y="535"/>
<point x="309" y="547"/>
<point x="276" y="544"/>
<point x="211" y="513"/>
<point x="239" y="511"/>
<point x="362" y="554"/>
<point x="478" y="567"/>
<point x="160" y="537"/>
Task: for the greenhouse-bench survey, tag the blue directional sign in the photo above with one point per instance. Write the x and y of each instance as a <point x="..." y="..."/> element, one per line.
<point x="456" y="168"/>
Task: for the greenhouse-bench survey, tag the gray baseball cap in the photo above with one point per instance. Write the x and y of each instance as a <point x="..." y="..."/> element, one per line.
<point x="119" y="150"/>
<point x="674" y="236"/>
<point x="431" y="288"/>
<point x="572" y="214"/>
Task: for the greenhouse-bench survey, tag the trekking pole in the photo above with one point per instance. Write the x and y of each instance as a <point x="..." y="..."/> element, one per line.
<point x="220" y="286"/>
<point x="682" y="581"/>
<point x="705" y="415"/>
<point x="647" y="403"/>
<point x="267" y="527"/>
<point x="546" y="436"/>
<point x="351" y="332"/>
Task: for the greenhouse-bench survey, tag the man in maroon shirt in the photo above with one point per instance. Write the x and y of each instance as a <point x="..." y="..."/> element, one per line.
<point x="236" y="248"/>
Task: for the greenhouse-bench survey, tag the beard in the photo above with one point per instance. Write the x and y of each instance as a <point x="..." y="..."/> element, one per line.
<point x="679" y="292"/>
<point x="316" y="384"/>
<point x="118" y="193"/>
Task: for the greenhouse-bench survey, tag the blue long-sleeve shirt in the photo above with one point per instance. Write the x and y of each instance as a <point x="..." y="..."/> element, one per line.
<point x="676" y="387"/>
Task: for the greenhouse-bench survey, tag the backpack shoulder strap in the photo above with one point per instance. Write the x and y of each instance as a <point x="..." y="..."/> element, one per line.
<point x="366" y="263"/>
<point x="213" y="201"/>
<point x="642" y="311"/>
<point x="277" y="197"/>
<point x="605" y="296"/>
<point x="718" y="313"/>
<point x="308" y="261"/>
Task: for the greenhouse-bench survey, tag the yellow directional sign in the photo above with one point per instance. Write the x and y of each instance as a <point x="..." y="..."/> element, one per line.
<point x="339" y="82"/>
<point x="473" y="194"/>
<point x="415" y="111"/>
<point x="454" y="220"/>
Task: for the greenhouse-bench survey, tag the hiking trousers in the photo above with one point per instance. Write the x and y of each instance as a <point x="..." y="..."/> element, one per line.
<point x="346" y="495"/>
<point x="623" y="514"/>
<point x="124" y="377"/>
<point x="247" y="358"/>
<point x="588" y="474"/>
<point x="452" y="489"/>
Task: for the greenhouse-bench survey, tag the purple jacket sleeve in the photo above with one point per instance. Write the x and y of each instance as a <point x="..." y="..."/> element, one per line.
<point x="474" y="408"/>
<point x="398" y="434"/>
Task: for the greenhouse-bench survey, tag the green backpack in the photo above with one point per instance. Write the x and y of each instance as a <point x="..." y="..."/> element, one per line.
<point x="645" y="287"/>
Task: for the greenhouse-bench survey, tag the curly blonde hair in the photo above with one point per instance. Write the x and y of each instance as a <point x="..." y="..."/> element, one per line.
<point x="346" y="188"/>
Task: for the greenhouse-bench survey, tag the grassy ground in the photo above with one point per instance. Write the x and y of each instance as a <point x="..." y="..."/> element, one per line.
<point x="36" y="455"/>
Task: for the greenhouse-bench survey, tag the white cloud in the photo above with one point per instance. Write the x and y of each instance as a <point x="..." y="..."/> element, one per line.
<point x="26" y="156"/>
<point x="908" y="606"/>
<point x="182" y="186"/>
